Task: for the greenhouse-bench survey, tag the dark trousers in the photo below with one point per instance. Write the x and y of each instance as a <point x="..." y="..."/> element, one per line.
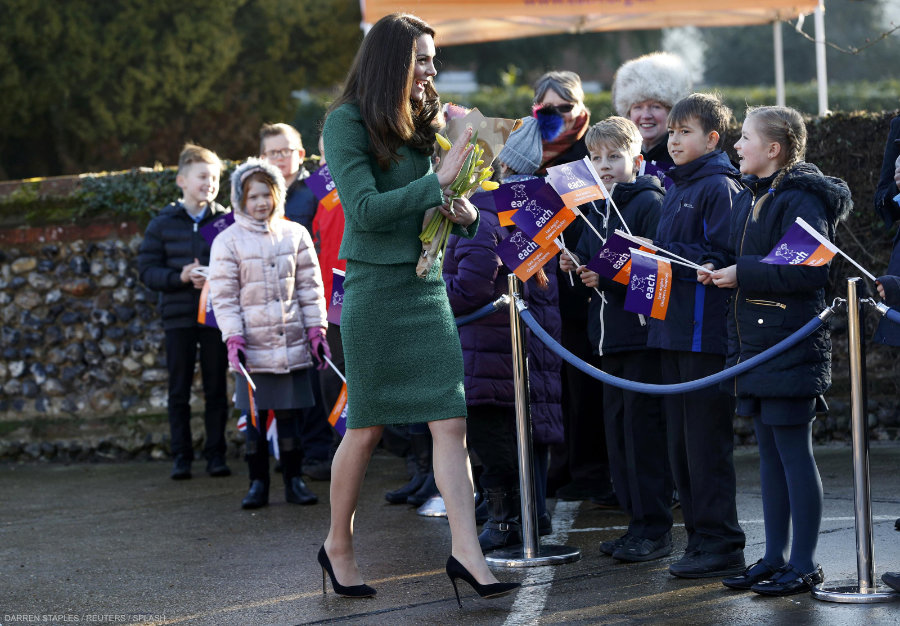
<point x="636" y="444"/>
<point x="701" y="453"/>
<point x="583" y="456"/>
<point x="181" y="356"/>
<point x="491" y="433"/>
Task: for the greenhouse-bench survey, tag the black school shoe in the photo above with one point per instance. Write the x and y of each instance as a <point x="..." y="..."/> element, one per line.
<point x="638" y="549"/>
<point x="217" y="468"/>
<point x="700" y="564"/>
<point x="789" y="581"/>
<point x="892" y="580"/>
<point x="181" y="470"/>
<point x="757" y="572"/>
<point x="609" y="547"/>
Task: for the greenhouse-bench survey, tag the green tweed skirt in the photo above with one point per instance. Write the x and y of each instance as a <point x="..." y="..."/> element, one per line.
<point x="402" y="353"/>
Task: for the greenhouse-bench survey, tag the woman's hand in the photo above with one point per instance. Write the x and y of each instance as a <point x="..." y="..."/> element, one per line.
<point x="878" y="285"/>
<point x="726" y="277"/>
<point x="452" y="162"/>
<point x="463" y="212"/>
<point x="897" y="172"/>
<point x="705" y="278"/>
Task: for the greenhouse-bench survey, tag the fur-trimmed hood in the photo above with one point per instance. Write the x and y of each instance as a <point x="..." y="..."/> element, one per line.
<point x="834" y="192"/>
<point x="245" y="169"/>
<point x="659" y="76"/>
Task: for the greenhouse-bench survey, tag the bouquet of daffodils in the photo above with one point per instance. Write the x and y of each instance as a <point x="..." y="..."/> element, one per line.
<point x="437" y="227"/>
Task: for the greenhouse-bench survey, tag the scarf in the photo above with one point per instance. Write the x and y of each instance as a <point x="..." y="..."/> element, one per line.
<point x="554" y="149"/>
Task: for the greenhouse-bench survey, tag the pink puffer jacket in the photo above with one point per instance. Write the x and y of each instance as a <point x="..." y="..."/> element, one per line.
<point x="266" y="285"/>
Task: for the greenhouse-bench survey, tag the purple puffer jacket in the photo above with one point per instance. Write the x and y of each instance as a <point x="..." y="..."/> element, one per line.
<point x="475" y="276"/>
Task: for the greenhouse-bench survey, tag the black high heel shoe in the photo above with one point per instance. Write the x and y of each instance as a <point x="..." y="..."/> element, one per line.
<point x="354" y="591"/>
<point x="456" y="570"/>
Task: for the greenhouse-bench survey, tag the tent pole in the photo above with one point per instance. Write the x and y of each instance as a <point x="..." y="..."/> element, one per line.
<point x="779" y="62"/>
<point x="821" y="73"/>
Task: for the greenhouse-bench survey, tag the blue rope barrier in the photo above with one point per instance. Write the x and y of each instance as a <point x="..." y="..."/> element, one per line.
<point x="487" y="309"/>
<point x="891" y="314"/>
<point x="693" y="385"/>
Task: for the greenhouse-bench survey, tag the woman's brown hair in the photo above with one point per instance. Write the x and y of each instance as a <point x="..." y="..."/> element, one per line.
<point x="380" y="81"/>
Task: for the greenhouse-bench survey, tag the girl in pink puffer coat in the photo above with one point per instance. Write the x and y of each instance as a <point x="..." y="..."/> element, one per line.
<point x="269" y="303"/>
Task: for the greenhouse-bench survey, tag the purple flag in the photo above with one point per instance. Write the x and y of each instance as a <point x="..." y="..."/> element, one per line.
<point x="613" y="261"/>
<point x="523" y="255"/>
<point x="337" y="297"/>
<point x="649" y="285"/>
<point x="576" y="182"/>
<point x="801" y="245"/>
<point x="543" y="216"/>
<point x="320" y="182"/>
<point x="212" y="230"/>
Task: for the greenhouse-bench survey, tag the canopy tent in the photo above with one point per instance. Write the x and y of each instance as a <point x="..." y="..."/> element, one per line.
<point x="471" y="21"/>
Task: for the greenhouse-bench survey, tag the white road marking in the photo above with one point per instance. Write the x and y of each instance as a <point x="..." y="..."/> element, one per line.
<point x="531" y="598"/>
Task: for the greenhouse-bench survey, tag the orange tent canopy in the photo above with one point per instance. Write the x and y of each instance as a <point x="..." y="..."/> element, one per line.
<point x="470" y="21"/>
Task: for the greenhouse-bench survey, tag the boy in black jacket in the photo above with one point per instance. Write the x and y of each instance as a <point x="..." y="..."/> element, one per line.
<point x="695" y="220"/>
<point x="635" y="428"/>
<point x="171" y="259"/>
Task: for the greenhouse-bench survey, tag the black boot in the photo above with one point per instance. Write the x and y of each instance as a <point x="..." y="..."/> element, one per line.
<point x="295" y="490"/>
<point x="503" y="526"/>
<point x="258" y="464"/>
<point x="420" y="454"/>
<point x="426" y="491"/>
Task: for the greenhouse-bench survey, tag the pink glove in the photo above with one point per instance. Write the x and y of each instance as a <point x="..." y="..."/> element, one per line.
<point x="237" y="348"/>
<point x="318" y="346"/>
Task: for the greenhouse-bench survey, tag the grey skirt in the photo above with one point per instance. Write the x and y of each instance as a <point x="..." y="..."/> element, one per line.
<point x="275" y="391"/>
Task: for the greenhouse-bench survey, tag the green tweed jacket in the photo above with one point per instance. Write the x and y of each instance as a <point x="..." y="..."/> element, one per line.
<point x="383" y="210"/>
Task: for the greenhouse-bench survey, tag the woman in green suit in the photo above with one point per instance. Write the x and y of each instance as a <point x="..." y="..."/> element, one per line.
<point x="403" y="357"/>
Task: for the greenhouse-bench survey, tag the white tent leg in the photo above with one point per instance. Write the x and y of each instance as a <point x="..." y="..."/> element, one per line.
<point x="779" y="62"/>
<point x="821" y="73"/>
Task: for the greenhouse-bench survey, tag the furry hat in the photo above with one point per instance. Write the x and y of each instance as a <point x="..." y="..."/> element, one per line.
<point x="659" y="76"/>
<point x="242" y="171"/>
<point x="523" y="150"/>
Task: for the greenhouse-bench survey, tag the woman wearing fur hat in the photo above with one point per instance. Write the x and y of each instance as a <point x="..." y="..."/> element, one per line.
<point x="644" y="90"/>
<point x="269" y="303"/>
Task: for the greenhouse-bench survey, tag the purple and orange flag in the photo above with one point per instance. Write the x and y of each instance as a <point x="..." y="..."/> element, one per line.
<point x="801" y="245"/>
<point x="322" y="186"/>
<point x="576" y="183"/>
<point x="337" y="297"/>
<point x="523" y="255"/>
<point x="613" y="261"/>
<point x="649" y="285"/>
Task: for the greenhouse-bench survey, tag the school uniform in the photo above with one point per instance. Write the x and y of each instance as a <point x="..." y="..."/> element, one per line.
<point x="695" y="222"/>
<point x="634" y="424"/>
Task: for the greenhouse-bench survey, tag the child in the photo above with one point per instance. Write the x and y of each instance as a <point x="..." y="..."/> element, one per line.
<point x="635" y="428"/>
<point x="644" y="90"/>
<point x="694" y="223"/>
<point x="171" y="249"/>
<point x="770" y="302"/>
<point x="267" y="295"/>
<point x="281" y="145"/>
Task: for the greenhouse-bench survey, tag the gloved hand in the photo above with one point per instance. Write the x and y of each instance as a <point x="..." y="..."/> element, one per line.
<point x="237" y="347"/>
<point x="318" y="346"/>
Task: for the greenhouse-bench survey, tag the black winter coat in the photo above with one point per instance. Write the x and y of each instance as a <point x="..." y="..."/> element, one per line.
<point x="610" y="327"/>
<point x="773" y="301"/>
<point x="889" y="333"/>
<point x="173" y="240"/>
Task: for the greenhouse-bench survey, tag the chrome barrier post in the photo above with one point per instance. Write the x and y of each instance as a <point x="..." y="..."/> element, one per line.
<point x="531" y="553"/>
<point x="863" y="590"/>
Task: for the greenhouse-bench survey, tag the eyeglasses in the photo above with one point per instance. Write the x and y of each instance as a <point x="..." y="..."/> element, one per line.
<point x="560" y="109"/>
<point x="282" y="154"/>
